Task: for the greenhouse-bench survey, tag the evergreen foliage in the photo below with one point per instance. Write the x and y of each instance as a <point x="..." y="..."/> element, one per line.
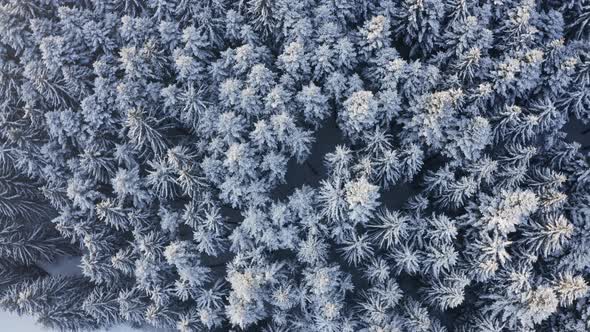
<point x="278" y="165"/>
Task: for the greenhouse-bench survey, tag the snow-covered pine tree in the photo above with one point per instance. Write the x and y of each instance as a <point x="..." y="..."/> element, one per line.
<point x="378" y="165"/>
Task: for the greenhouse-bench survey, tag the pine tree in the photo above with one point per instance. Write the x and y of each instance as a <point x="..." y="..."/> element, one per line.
<point x="293" y="165"/>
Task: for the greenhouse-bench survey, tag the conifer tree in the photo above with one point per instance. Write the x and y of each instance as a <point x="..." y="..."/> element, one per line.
<point x="257" y="165"/>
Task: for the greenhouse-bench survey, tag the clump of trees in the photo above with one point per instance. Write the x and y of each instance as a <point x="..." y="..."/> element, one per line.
<point x="157" y="140"/>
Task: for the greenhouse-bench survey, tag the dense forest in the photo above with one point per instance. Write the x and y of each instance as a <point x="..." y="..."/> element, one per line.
<point x="296" y="165"/>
